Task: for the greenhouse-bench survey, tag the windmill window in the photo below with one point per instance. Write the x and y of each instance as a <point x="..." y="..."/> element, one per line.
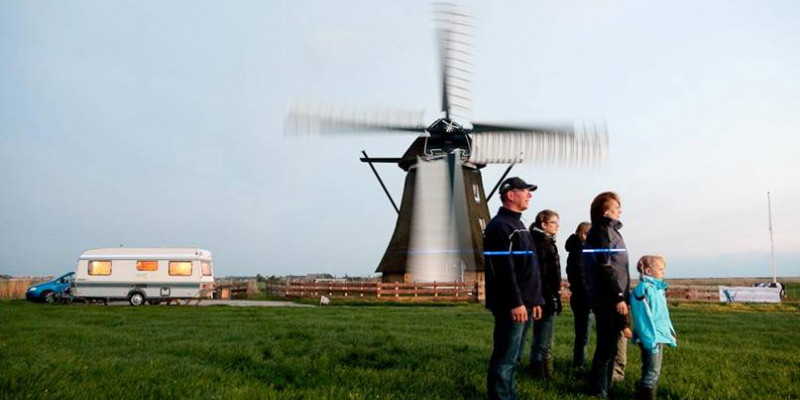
<point x="97" y="267"/>
<point x="476" y="192"/>
<point x="180" y="268"/>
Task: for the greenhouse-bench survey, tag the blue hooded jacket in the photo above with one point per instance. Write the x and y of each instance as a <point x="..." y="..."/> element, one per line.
<point x="650" y="314"/>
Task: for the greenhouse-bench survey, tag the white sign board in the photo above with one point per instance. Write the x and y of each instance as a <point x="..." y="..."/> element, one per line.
<point x="747" y="294"/>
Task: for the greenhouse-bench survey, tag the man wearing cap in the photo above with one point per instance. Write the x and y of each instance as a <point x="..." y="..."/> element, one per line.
<point x="513" y="287"/>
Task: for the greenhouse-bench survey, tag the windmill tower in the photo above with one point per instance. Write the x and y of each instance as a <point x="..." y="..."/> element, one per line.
<point x="438" y="235"/>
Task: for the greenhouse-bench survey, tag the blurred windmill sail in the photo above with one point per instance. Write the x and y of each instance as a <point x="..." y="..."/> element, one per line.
<point x="454" y="32"/>
<point x="318" y="118"/>
<point x="495" y="144"/>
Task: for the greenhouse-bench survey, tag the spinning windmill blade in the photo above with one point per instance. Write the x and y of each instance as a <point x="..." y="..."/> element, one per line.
<point x="454" y="34"/>
<point x="544" y="145"/>
<point x="438" y="234"/>
<point x="318" y="118"/>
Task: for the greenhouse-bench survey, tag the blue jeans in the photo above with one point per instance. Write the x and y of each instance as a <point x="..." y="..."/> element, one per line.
<point x="651" y="366"/>
<point x="542" y="344"/>
<point x="583" y="324"/>
<point x="509" y="343"/>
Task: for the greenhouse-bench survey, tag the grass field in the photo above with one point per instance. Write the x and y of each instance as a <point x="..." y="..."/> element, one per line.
<point x="377" y="352"/>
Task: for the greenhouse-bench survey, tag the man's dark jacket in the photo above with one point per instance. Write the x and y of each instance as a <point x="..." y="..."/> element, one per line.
<point x="549" y="268"/>
<point x="605" y="264"/>
<point x="511" y="268"/>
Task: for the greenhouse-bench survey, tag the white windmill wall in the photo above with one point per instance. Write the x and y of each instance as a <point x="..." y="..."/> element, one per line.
<point x="431" y="251"/>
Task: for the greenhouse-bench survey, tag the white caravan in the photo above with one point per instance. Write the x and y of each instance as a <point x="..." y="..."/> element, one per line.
<point x="143" y="274"/>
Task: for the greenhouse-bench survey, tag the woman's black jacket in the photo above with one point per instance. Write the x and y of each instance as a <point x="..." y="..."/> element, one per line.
<point x="605" y="265"/>
<point x="549" y="269"/>
<point x="577" y="284"/>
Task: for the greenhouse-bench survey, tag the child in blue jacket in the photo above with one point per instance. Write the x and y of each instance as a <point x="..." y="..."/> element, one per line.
<point x="651" y="324"/>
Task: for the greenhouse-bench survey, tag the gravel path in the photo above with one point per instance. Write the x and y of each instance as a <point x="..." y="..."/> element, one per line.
<point x="205" y="303"/>
<point x="251" y="303"/>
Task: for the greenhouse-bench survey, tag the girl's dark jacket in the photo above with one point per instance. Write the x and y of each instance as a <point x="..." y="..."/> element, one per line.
<point x="605" y="265"/>
<point x="577" y="284"/>
<point x="549" y="269"/>
<point x="512" y="273"/>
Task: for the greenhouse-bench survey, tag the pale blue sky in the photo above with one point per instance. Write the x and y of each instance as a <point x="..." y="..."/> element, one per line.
<point x="150" y="123"/>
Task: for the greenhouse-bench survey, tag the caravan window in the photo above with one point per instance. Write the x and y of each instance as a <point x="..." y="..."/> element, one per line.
<point x="180" y="268"/>
<point x="99" y="267"/>
<point x="147" y="265"/>
<point x="206" y="267"/>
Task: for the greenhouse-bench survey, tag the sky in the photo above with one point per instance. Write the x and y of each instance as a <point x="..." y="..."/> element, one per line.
<point x="149" y="123"/>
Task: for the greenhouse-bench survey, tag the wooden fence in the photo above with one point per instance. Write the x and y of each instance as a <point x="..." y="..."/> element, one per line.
<point x="675" y="292"/>
<point x="444" y="291"/>
<point x="693" y="293"/>
<point x="236" y="290"/>
<point x="435" y="291"/>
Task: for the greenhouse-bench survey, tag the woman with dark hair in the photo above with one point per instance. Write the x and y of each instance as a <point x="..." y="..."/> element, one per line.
<point x="605" y="266"/>
<point x="543" y="231"/>
<point x="581" y="311"/>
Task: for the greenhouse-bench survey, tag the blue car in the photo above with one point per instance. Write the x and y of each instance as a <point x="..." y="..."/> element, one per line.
<point x="49" y="291"/>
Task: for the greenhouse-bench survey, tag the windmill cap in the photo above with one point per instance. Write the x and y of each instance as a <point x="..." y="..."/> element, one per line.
<point x="515" y="183"/>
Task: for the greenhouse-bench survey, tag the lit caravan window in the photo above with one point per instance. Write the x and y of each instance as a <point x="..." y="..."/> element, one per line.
<point x="180" y="268"/>
<point x="147" y="265"/>
<point x="206" y="267"/>
<point x="99" y="267"/>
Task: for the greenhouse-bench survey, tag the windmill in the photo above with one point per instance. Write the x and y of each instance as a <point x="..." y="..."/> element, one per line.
<point x="443" y="211"/>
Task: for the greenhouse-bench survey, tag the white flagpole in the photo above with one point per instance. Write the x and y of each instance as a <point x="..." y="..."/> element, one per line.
<point x="771" y="240"/>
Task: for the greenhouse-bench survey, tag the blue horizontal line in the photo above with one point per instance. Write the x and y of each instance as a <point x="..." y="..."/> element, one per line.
<point x="604" y="250"/>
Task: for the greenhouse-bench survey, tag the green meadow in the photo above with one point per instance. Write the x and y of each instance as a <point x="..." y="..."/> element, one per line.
<point x="356" y="352"/>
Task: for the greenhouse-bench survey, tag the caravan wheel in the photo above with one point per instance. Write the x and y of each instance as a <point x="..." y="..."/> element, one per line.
<point x="136" y="299"/>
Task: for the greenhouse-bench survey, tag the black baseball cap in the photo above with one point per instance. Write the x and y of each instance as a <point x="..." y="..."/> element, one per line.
<point x="515" y="183"/>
